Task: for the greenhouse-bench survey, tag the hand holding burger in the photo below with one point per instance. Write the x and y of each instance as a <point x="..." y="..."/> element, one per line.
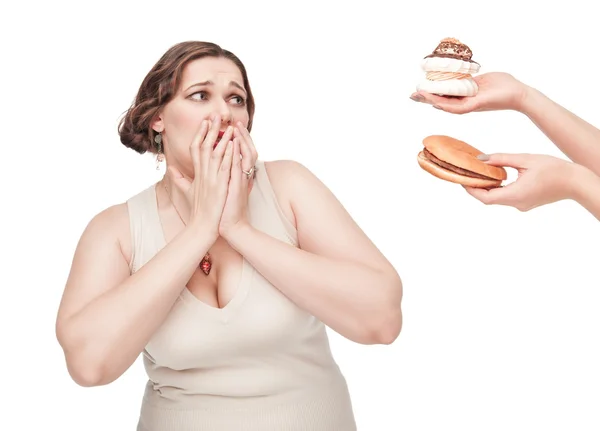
<point x="541" y="180"/>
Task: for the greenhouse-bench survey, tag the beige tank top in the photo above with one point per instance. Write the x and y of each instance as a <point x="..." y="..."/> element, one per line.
<point x="259" y="364"/>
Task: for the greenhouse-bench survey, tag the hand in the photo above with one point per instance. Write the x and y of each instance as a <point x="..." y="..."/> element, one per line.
<point x="542" y="180"/>
<point x="244" y="159"/>
<point x="497" y="91"/>
<point x="207" y="192"/>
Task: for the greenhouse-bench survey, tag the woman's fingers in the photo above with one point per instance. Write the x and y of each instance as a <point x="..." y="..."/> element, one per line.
<point x="206" y="148"/>
<point x="195" y="147"/>
<point x="224" y="173"/>
<point x="454" y="105"/>
<point x="217" y="155"/>
<point x="249" y="141"/>
<point x="248" y="158"/>
<point x="236" y="166"/>
<point x="506" y="195"/>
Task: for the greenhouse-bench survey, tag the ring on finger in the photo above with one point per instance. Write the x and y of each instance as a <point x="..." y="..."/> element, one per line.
<point x="249" y="173"/>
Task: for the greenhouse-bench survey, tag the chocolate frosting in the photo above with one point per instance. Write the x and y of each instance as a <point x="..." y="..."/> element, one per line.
<point x="453" y="48"/>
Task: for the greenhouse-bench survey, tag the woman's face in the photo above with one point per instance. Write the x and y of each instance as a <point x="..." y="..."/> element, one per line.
<point x="209" y="86"/>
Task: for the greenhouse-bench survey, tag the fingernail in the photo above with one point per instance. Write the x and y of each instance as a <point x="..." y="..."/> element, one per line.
<point x="417" y="97"/>
<point x="437" y="107"/>
<point x="483" y="157"/>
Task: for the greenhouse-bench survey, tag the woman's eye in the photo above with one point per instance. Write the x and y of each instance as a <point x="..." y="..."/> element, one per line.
<point x="198" y="96"/>
<point x="202" y="95"/>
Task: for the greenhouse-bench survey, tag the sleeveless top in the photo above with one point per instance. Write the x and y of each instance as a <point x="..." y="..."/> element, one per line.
<point x="258" y="364"/>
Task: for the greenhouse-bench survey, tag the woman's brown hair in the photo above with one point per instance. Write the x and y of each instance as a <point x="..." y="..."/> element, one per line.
<point x="159" y="87"/>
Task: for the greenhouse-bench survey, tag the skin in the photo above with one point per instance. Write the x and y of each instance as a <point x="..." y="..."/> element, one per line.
<point x="107" y="316"/>
<point x="542" y="179"/>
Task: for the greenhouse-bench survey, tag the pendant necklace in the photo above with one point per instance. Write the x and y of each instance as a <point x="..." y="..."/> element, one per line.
<point x="206" y="263"/>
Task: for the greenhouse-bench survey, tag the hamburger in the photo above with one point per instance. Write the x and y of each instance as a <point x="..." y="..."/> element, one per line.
<point x="449" y="69"/>
<point x="456" y="161"/>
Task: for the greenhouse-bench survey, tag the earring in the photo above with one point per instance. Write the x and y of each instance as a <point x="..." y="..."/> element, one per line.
<point x="160" y="157"/>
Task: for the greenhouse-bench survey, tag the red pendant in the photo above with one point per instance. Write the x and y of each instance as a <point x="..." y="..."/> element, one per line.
<point x="206" y="264"/>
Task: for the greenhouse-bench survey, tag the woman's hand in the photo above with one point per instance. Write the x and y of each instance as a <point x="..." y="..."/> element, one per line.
<point x="242" y="178"/>
<point x="497" y="91"/>
<point x="206" y="193"/>
<point x="542" y="180"/>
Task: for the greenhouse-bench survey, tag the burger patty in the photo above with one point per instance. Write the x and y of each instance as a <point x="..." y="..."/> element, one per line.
<point x="453" y="168"/>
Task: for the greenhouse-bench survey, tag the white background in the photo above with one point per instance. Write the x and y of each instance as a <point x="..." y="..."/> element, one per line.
<point x="500" y="307"/>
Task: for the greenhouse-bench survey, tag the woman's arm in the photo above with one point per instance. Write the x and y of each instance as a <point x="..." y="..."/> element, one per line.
<point x="337" y="274"/>
<point x="586" y="190"/>
<point x="576" y="138"/>
<point x="106" y="316"/>
<point x="542" y="180"/>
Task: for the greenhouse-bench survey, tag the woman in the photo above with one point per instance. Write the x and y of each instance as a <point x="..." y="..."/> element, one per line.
<point x="542" y="179"/>
<point x="225" y="272"/>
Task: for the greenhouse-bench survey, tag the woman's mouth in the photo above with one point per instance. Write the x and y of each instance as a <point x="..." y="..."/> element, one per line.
<point x="219" y="137"/>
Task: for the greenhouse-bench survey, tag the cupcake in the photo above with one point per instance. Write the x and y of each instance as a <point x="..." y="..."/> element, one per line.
<point x="449" y="70"/>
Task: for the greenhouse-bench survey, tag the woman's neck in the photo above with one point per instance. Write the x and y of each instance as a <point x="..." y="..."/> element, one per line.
<point x="174" y="197"/>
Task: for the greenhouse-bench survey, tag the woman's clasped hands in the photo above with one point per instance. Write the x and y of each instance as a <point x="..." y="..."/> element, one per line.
<point x="224" y="170"/>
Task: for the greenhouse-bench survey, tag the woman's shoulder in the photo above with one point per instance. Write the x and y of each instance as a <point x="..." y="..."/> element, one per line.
<point x="294" y="185"/>
<point x="112" y="218"/>
<point x="289" y="178"/>
<point x="115" y="218"/>
<point x="283" y="176"/>
<point x="280" y="176"/>
<point x="113" y="223"/>
<point x="285" y="172"/>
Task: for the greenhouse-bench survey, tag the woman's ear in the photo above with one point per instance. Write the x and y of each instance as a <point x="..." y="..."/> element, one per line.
<point x="157" y="124"/>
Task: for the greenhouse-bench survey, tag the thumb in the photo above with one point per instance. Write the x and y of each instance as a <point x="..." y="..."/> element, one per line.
<point x="177" y="178"/>
<point x="517" y="161"/>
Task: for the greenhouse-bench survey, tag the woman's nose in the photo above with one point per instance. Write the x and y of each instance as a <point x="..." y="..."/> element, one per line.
<point x="226" y="115"/>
